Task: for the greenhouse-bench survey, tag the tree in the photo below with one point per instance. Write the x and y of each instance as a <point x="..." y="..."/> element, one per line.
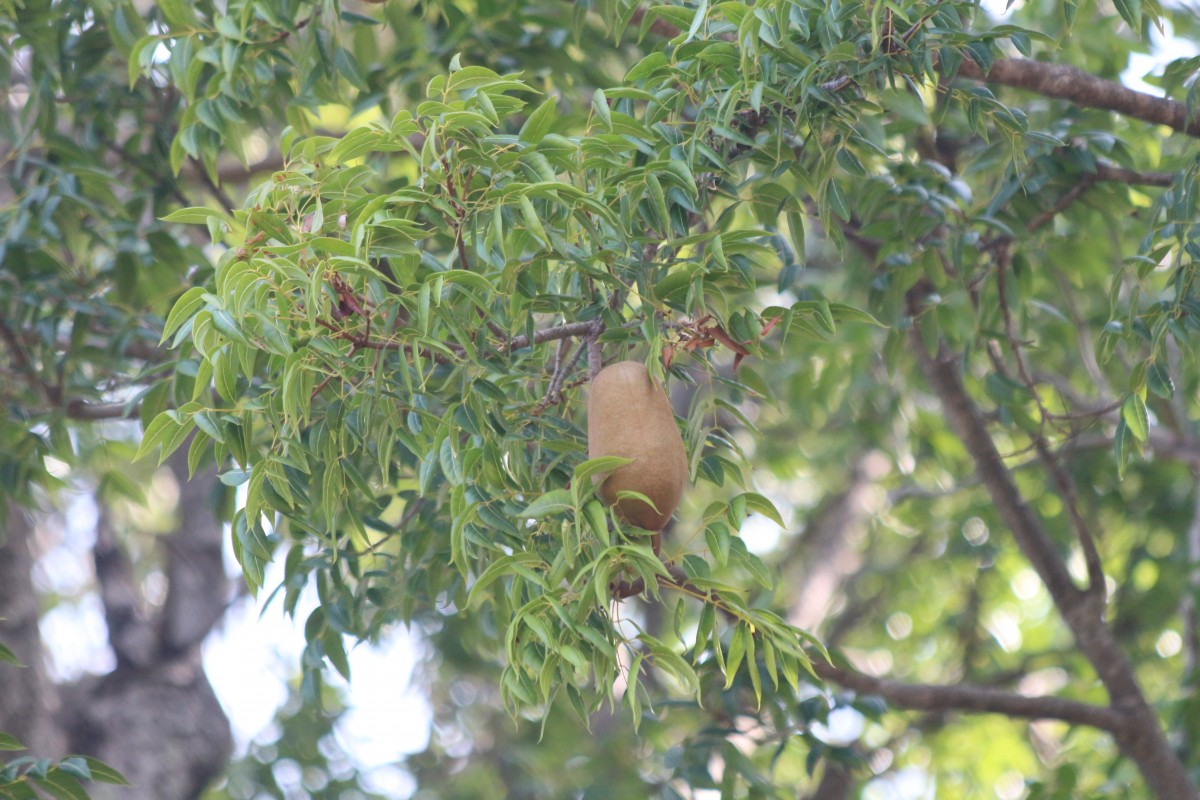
<point x="920" y="278"/>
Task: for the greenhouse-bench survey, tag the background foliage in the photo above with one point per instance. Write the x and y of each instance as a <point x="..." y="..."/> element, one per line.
<point x="362" y="258"/>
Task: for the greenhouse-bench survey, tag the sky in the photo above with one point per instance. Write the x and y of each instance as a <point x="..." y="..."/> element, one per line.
<point x="256" y="651"/>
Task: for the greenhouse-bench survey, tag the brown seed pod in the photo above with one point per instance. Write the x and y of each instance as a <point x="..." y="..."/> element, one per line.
<point x="629" y="416"/>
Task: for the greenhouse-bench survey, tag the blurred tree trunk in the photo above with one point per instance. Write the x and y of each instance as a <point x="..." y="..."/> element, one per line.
<point x="155" y="717"/>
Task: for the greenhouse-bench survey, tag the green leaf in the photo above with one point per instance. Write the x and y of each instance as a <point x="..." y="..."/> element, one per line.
<point x="717" y="537"/>
<point x="752" y="667"/>
<point x="498" y="569"/>
<point x="1133" y="412"/>
<point x="9" y="657"/>
<point x="646" y="67"/>
<point x="668" y="660"/>
<point x="104" y="773"/>
<point x="756" y="502"/>
<point x="483" y="78"/>
<point x="347" y="67"/>
<point x="553" y="502"/>
<point x="60" y="786"/>
<point x="539" y="122"/>
<point x="161" y="431"/>
<point x="1131" y="12"/>
<point x="597" y="466"/>
<point x="795" y="225"/>
<point x="179" y="14"/>
<point x="185" y="307"/>
<point x="629" y="494"/>
<point x="600" y="106"/>
<point x="1158" y="380"/>
<point x="8" y="742"/>
<point x="844" y="313"/>
<point x="697" y="20"/>
<point x="1123" y="442"/>
<point x="597" y="520"/>
<point x="335" y="651"/>
<point x="194" y="216"/>
<point x="76" y="767"/>
<point x="737" y="650"/>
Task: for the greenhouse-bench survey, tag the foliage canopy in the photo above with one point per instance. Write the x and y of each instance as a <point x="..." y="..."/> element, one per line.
<point x="866" y="269"/>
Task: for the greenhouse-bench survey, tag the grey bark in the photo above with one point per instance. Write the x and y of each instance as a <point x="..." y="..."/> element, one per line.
<point x="155" y="717"/>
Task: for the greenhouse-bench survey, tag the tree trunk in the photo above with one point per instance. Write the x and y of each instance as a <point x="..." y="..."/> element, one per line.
<point x="155" y="717"/>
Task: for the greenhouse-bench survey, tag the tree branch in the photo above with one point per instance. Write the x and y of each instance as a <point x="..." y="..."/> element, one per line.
<point x="76" y="408"/>
<point x="1111" y="172"/>
<point x="1084" y="89"/>
<point x="819" y="561"/>
<point x="964" y="417"/>
<point x="1085" y="182"/>
<point x="1052" y="80"/>
<point x="1138" y="732"/>
<point x="932" y="697"/>
<point x="552" y="334"/>
<point x="1062" y="480"/>
<point x="85" y="411"/>
<point x="1189" y="611"/>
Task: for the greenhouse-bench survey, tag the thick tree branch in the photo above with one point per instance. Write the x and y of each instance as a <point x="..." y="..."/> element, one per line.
<point x="1052" y="80"/>
<point x="931" y="697"/>
<point x="1189" y="611"/>
<point x="88" y="412"/>
<point x="1139" y="734"/>
<point x="942" y="373"/>
<point x="1084" y="89"/>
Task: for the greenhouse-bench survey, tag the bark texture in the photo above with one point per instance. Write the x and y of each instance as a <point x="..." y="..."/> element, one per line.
<point x="155" y="717"/>
<point x="1084" y="89"/>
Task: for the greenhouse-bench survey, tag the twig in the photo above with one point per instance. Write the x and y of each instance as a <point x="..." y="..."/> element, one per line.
<point x="1066" y="487"/>
<point x="216" y="191"/>
<point x="551" y="334"/>
<point x="75" y="408"/>
<point x="595" y="359"/>
<point x="1085" y="183"/>
<point x="554" y="393"/>
<point x="1111" y="172"/>
<point x="624" y="589"/>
